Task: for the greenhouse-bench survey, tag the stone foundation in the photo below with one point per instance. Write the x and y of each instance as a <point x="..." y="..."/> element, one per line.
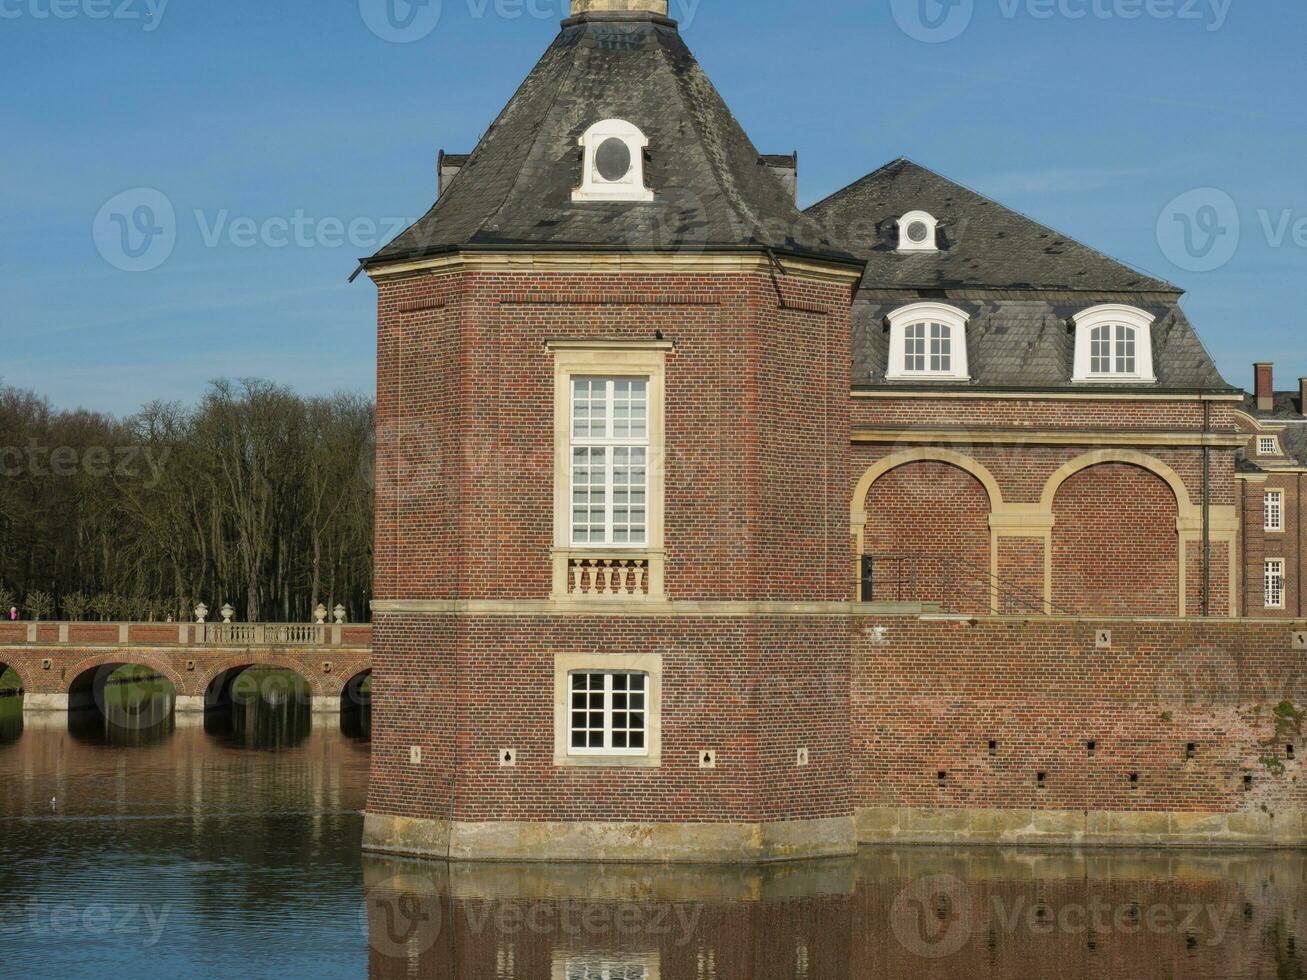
<point x="657" y="843"/>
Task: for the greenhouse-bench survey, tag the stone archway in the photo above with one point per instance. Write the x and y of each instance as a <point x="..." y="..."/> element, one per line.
<point x="923" y="518"/>
<point x="1116" y="544"/>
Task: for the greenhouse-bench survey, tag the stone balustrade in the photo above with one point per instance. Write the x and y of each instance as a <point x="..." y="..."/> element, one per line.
<point x="187" y="634"/>
<point x="608" y="577"/>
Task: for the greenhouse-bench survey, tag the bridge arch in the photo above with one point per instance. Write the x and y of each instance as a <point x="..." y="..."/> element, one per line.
<point x="83" y="672"/>
<point x="20" y="669"/>
<point x="215" y="683"/>
<point x="353" y="694"/>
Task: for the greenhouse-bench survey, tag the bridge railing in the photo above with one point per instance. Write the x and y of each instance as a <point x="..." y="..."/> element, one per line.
<point x="186" y="634"/>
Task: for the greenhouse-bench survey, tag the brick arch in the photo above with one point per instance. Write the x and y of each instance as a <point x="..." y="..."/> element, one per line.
<point x="925" y="453"/>
<point x="125" y="658"/>
<point x="18" y="668"/>
<point x="927" y="524"/>
<point x="213" y="671"/>
<point x="1133" y="457"/>
<point x="1115" y="539"/>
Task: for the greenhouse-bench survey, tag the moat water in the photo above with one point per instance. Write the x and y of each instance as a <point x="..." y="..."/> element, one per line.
<point x="175" y="846"/>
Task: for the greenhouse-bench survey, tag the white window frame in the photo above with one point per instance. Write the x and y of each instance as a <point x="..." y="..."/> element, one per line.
<point x="609" y="359"/>
<point x="614" y="686"/>
<point x="612" y="445"/>
<point x="929" y="314"/>
<point x="650" y="666"/>
<point x="1262" y="445"/>
<point x="1275" y="583"/>
<point x="931" y="242"/>
<point x="1118" y="319"/>
<point x="594" y="187"/>
<point x="1274" y="511"/>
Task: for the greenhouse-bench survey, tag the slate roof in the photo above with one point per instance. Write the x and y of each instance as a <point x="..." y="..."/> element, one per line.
<point x="984" y="244"/>
<point x="1030" y="345"/>
<point x="1288" y="408"/>
<point x="712" y="189"/>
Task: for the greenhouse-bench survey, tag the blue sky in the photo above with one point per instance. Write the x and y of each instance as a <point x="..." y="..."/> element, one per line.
<point x="1106" y="119"/>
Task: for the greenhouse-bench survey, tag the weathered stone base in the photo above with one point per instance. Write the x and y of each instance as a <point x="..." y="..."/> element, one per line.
<point x="716" y="843"/>
<point x="1091" y="828"/>
<point x="44" y="702"/>
<point x="326" y="704"/>
<point x="188" y="703"/>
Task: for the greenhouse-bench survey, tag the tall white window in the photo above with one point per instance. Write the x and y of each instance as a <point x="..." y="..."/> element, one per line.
<point x="1275" y="583"/>
<point x="1275" y="510"/>
<point x="928" y="341"/>
<point x="1268" y="446"/>
<point x="1114" y="343"/>
<point x="607" y="713"/>
<point x="610" y="461"/>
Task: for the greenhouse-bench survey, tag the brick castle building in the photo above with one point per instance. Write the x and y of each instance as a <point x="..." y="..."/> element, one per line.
<point x="713" y="530"/>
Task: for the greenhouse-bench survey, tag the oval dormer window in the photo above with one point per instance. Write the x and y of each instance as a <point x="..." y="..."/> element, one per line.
<point x="613" y="159"/>
<point x="612" y="166"/>
<point x="918" y="232"/>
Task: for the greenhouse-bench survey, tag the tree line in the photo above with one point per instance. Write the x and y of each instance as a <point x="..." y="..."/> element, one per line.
<point x="255" y="496"/>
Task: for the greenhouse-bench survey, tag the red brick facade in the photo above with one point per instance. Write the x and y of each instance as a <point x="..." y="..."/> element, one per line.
<point x="1095" y="506"/>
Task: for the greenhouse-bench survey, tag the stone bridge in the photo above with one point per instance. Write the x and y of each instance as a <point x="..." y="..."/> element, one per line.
<point x="58" y="663"/>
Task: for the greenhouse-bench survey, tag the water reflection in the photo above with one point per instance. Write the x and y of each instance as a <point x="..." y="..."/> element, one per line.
<point x="931" y="912"/>
<point x="145" y="858"/>
<point x="261" y="708"/>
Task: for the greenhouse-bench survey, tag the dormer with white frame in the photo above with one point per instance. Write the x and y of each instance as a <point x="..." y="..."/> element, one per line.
<point x="928" y="342"/>
<point x="613" y="164"/>
<point x="918" y="232"/>
<point x="1114" y="344"/>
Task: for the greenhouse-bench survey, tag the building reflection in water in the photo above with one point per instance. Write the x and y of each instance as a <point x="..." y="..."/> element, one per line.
<point x="889" y="913"/>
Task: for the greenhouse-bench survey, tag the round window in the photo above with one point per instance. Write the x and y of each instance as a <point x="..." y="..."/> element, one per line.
<point x="918" y="232"/>
<point x="613" y="159"/>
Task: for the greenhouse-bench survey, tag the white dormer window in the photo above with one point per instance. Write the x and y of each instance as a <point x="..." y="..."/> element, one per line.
<point x="1268" y="446"/>
<point x="613" y="168"/>
<point x="1113" y="344"/>
<point x="928" y="341"/>
<point x="918" y="232"/>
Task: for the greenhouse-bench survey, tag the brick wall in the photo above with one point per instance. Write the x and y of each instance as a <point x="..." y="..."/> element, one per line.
<point x="754" y="689"/>
<point x="1260" y="544"/>
<point x="756" y="430"/>
<point x="934" y="517"/>
<point x="1115" y="547"/>
<point x="929" y="697"/>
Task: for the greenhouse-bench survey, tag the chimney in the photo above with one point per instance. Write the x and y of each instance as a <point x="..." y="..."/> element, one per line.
<point x="1265" y="386"/>
<point x="786" y="167"/>
<point x="447" y="167"/>
<point x="604" y="6"/>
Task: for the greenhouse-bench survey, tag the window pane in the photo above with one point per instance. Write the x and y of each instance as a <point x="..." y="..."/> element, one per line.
<point x="629" y="487"/>
<point x="1100" y="350"/>
<point x="589" y="473"/>
<point x="630" y="408"/>
<point x="589" y="408"/>
<point x="1125" y="350"/>
<point x="941" y="347"/>
<point x="914" y="347"/>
